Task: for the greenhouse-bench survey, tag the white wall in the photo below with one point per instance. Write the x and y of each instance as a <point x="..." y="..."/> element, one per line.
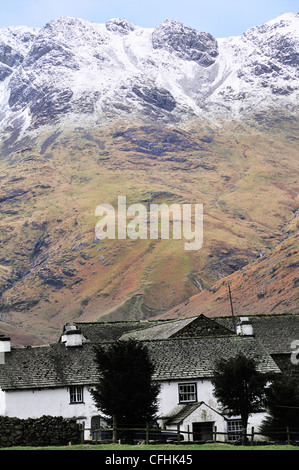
<point x="2" y="402"/>
<point x="255" y="422"/>
<point x="56" y="402"/>
<point x="53" y="402"/>
<point x="169" y="405"/>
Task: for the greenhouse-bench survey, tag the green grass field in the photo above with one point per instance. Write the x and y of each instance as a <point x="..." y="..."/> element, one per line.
<point x="154" y="448"/>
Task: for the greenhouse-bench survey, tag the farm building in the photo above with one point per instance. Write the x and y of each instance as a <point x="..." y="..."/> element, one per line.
<point x="56" y="379"/>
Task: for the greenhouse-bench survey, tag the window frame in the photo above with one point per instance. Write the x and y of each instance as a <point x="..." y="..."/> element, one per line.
<point x="182" y="394"/>
<point x="234" y="434"/>
<point x="76" y="394"/>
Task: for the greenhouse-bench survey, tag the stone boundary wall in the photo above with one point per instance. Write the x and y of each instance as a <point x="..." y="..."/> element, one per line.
<point x="44" y="431"/>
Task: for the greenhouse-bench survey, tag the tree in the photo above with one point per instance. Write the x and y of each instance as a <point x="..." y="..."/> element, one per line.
<point x="126" y="391"/>
<point x="282" y="402"/>
<point x="240" y="388"/>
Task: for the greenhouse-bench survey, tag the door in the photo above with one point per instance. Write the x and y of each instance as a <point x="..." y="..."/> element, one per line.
<point x="203" y="431"/>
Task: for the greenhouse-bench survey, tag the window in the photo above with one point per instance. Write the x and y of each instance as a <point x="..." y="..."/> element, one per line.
<point x="234" y="429"/>
<point x="187" y="393"/>
<point x="76" y="394"/>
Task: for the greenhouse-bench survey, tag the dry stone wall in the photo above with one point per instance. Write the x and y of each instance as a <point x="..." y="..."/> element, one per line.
<point x="44" y="431"/>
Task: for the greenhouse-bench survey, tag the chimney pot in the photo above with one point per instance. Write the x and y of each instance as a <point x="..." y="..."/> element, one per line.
<point x="5" y="347"/>
<point x="72" y="336"/>
<point x="245" y="328"/>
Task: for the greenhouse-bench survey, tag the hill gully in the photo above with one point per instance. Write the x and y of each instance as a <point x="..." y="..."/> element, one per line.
<point x="139" y="221"/>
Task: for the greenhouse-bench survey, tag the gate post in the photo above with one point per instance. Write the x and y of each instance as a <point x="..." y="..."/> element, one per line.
<point x="252" y="435"/>
<point x="179" y="433"/>
<point x="114" y="430"/>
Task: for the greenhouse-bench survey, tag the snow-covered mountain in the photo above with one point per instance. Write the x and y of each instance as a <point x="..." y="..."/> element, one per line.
<point x="74" y="71"/>
<point x="91" y="111"/>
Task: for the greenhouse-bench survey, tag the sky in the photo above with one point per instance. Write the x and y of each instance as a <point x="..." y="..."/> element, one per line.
<point x="221" y="18"/>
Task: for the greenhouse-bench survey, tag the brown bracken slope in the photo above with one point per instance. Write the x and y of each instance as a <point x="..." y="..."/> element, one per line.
<point x="53" y="270"/>
<point x="269" y="285"/>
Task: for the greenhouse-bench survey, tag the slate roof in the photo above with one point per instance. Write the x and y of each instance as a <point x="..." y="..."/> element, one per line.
<point x="191" y="358"/>
<point x="182" y="412"/>
<point x="187" y="327"/>
<point x="48" y="367"/>
<point x="174" y="359"/>
<point x="175" y="353"/>
<point x="99" y="332"/>
<point x="161" y="331"/>
<point x="275" y="332"/>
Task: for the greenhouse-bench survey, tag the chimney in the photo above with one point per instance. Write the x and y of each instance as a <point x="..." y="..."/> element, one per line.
<point x="245" y="328"/>
<point x="5" y="347"/>
<point x="71" y="336"/>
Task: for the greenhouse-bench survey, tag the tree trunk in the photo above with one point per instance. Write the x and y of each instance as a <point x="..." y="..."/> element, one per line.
<point x="114" y="438"/>
<point x="244" y="429"/>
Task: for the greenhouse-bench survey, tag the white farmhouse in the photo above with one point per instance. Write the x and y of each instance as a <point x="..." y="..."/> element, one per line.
<point x="56" y="380"/>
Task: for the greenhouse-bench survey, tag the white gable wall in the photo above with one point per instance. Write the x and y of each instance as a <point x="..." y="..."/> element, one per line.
<point x="203" y="414"/>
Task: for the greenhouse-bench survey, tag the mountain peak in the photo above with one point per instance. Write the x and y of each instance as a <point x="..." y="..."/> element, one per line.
<point x="285" y="17"/>
<point x="120" y="26"/>
<point x="186" y="42"/>
<point x="73" y="68"/>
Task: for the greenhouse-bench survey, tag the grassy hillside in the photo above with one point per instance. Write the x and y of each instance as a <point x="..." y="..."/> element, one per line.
<point x="269" y="285"/>
<point x="53" y="270"/>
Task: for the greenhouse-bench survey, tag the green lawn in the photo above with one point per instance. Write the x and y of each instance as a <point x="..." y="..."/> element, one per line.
<point x="154" y="448"/>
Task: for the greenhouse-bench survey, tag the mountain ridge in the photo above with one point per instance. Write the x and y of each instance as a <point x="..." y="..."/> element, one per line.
<point x="170" y="73"/>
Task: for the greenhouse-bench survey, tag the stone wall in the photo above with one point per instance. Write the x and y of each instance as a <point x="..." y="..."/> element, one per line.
<point x="44" y="431"/>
